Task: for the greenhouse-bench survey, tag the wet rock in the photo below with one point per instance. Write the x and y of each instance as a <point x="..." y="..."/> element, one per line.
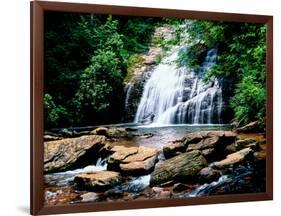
<point x="206" y="143"/>
<point x="105" y="150"/>
<point x="117" y="133"/>
<point x="249" y="128"/>
<point x="100" y="131"/>
<point x="229" y="149"/>
<point x="208" y="174"/>
<point x="132" y="160"/>
<point x="89" y="197"/>
<point x="69" y="153"/>
<point x="211" y="143"/>
<point x="60" y="195"/>
<point x="234" y="158"/>
<point x="161" y="193"/>
<point x="114" y="194"/>
<point x="120" y="153"/>
<point x="174" y="148"/>
<point x="100" y="180"/>
<point x="183" y="167"/>
<point x="143" y="153"/>
<point x="157" y="189"/>
<point x="243" y="143"/>
<point x="209" y="154"/>
<point x="113" y="132"/>
<point x="138" y="167"/>
<point x="179" y="187"/>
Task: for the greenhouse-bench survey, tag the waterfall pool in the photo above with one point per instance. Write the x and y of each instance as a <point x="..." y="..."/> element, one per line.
<point x="156" y="135"/>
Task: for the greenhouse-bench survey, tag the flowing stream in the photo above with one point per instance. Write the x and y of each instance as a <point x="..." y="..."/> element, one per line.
<point x="64" y="178"/>
<point x="179" y="95"/>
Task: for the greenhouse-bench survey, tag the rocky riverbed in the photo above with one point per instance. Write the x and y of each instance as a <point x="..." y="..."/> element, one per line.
<point x="129" y="163"/>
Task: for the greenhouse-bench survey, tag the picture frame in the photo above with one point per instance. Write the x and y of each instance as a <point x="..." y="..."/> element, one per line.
<point x="37" y="10"/>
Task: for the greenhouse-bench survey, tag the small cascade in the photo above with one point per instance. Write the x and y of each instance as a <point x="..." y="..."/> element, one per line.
<point x="128" y="93"/>
<point x="206" y="189"/>
<point x="135" y="185"/>
<point x="240" y="179"/>
<point x="63" y="178"/>
<point x="179" y="95"/>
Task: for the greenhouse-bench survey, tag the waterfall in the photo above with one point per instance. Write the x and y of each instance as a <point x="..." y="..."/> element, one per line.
<point x="179" y="95"/>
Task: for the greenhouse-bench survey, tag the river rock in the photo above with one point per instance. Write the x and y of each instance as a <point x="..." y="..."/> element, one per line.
<point x="205" y="143"/>
<point x="209" y="142"/>
<point x="132" y="160"/>
<point x="159" y="192"/>
<point x="100" y="131"/>
<point x="100" y="180"/>
<point x="208" y="174"/>
<point x="234" y="158"/>
<point x="89" y="197"/>
<point x="183" y="167"/>
<point x="174" y="148"/>
<point x="179" y="187"/>
<point x="120" y="153"/>
<point x="249" y="128"/>
<point x="209" y="153"/>
<point x="117" y="132"/>
<point x="71" y="152"/>
<point x="114" y="194"/>
<point x="229" y="149"/>
<point x="243" y="143"/>
<point x="112" y="132"/>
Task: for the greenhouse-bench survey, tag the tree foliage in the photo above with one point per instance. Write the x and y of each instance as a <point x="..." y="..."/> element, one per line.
<point x="86" y="60"/>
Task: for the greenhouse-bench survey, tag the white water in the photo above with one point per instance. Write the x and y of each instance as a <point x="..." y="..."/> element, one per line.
<point x="178" y="95"/>
<point x="63" y="178"/>
<point x="135" y="185"/>
<point x="203" y="189"/>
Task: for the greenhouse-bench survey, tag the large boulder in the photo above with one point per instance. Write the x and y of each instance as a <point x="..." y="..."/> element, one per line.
<point x="234" y="158"/>
<point x="100" y="180"/>
<point x="132" y="160"/>
<point x="210" y="143"/>
<point x="69" y="153"/>
<point x="181" y="168"/>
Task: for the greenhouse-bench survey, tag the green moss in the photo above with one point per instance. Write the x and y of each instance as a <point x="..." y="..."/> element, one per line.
<point x="135" y="61"/>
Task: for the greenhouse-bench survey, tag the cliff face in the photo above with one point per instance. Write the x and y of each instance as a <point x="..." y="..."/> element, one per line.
<point x="142" y="72"/>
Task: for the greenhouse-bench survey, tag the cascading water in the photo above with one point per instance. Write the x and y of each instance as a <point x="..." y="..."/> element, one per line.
<point x="179" y="95"/>
<point x="63" y="178"/>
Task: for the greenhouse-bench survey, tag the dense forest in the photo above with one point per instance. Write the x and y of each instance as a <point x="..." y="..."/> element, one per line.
<point x="89" y="58"/>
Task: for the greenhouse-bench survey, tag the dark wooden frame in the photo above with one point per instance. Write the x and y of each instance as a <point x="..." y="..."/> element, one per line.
<point x="37" y="80"/>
